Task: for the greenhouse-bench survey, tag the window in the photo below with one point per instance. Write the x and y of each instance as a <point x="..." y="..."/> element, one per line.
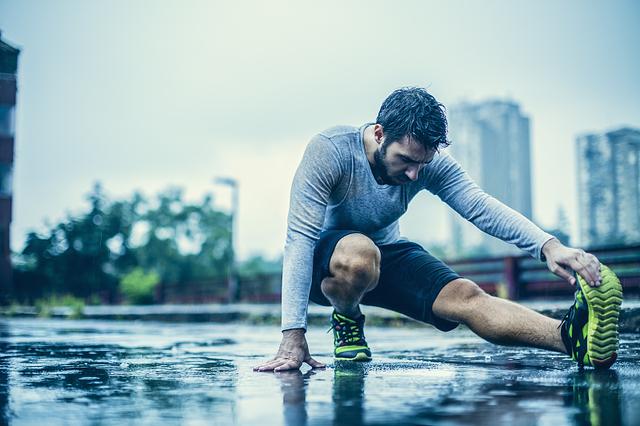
<point x="6" y="179"/>
<point x="6" y="120"/>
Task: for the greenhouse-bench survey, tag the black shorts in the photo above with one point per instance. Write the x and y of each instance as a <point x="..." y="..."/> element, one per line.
<point x="410" y="279"/>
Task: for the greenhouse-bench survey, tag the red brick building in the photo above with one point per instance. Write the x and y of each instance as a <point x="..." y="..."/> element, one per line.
<point x="8" y="89"/>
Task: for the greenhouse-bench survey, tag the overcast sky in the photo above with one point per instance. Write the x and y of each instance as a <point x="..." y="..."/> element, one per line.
<point x="147" y="94"/>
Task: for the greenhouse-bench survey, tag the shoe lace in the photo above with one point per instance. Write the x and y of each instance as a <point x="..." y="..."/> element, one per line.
<point x="567" y="317"/>
<point x="347" y="331"/>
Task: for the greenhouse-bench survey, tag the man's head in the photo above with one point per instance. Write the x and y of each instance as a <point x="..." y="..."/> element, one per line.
<point x="410" y="129"/>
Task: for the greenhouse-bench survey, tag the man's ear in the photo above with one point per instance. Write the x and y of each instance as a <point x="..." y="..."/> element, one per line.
<point x="378" y="133"/>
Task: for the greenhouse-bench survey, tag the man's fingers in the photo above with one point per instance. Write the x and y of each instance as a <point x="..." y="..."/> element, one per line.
<point x="588" y="266"/>
<point x="585" y="265"/>
<point x="268" y="366"/>
<point x="261" y="367"/>
<point x="257" y="367"/>
<point x="288" y="365"/>
<point x="562" y="273"/>
<point x="272" y="365"/>
<point x="313" y="363"/>
<point x="594" y="267"/>
<point x="283" y="364"/>
<point x="278" y="364"/>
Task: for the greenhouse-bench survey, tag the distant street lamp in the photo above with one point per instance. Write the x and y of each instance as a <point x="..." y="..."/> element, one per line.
<point x="232" y="279"/>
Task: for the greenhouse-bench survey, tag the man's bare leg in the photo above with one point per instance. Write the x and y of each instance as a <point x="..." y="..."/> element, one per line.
<point x="355" y="269"/>
<point x="497" y="320"/>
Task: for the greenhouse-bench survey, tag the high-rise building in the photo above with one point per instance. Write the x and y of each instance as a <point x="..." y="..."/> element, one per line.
<point x="491" y="140"/>
<point x="608" y="169"/>
<point x="8" y="88"/>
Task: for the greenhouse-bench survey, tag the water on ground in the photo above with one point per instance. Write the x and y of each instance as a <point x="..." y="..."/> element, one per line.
<point x="113" y="373"/>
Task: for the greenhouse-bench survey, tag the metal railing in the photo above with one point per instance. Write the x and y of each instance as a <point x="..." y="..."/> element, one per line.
<point x="521" y="277"/>
<point x="514" y="277"/>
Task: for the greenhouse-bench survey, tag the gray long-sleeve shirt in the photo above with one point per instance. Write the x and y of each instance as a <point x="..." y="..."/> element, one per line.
<point x="334" y="188"/>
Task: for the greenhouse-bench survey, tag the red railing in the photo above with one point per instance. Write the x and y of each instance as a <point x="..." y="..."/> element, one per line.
<point x="521" y="277"/>
<point x="516" y="278"/>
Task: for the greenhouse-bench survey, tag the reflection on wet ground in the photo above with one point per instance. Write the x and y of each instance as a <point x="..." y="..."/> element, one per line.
<point x="98" y="372"/>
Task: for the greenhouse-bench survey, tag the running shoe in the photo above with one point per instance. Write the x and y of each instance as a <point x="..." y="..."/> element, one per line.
<point x="589" y="330"/>
<point x="348" y="338"/>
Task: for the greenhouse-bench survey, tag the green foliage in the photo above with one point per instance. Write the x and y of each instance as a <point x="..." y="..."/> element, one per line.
<point x="44" y="306"/>
<point x="185" y="242"/>
<point x="138" y="286"/>
<point x="73" y="258"/>
<point x="10" y="310"/>
<point x="88" y="254"/>
<point x="257" y="266"/>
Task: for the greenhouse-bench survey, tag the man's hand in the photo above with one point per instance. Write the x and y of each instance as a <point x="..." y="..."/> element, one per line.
<point x="559" y="256"/>
<point x="293" y="351"/>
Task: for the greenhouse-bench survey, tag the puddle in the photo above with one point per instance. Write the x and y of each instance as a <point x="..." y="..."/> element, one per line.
<point x="100" y="372"/>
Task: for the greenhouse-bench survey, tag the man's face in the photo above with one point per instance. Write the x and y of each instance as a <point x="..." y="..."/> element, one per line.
<point x="400" y="162"/>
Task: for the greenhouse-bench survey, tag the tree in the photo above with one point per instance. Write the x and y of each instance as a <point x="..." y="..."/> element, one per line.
<point x="73" y="258"/>
<point x="257" y="266"/>
<point x="88" y="254"/>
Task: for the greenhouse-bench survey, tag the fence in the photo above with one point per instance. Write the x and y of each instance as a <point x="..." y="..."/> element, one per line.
<point x="521" y="277"/>
<point x="259" y="289"/>
<point x="516" y="278"/>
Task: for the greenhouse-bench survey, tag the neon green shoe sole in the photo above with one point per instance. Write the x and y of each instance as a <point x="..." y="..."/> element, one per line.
<point x="359" y="355"/>
<point x="604" y="304"/>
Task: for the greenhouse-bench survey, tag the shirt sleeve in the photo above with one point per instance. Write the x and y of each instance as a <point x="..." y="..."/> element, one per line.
<point x="318" y="173"/>
<point x="448" y="180"/>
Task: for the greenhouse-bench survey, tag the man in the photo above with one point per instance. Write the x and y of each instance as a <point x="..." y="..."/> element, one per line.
<point x="344" y="248"/>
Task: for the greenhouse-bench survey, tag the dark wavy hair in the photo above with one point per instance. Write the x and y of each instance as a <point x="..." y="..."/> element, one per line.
<point x="414" y="112"/>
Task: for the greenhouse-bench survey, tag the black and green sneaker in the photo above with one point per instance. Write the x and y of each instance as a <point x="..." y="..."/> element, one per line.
<point x="348" y="338"/>
<point x="590" y="329"/>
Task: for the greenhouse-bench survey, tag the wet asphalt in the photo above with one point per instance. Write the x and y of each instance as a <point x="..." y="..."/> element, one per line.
<point x="89" y="372"/>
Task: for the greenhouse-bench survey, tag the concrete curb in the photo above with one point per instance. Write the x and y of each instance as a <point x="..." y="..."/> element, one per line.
<point x="270" y="314"/>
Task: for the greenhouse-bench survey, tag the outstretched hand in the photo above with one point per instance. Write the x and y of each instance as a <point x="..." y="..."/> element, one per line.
<point x="559" y="257"/>
<point x="292" y="353"/>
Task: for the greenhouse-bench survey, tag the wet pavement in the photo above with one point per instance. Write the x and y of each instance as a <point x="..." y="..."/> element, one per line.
<point x="117" y="372"/>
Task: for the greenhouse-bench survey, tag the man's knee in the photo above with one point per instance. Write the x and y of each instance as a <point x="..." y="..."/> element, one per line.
<point x="457" y="298"/>
<point x="465" y="291"/>
<point x="356" y="261"/>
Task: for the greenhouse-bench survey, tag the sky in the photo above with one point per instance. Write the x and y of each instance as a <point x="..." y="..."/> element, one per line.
<point x="143" y="95"/>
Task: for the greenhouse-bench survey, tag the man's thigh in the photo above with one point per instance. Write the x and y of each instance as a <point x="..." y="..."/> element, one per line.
<point x="410" y="278"/>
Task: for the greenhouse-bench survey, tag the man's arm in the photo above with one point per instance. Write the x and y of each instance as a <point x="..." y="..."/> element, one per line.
<point x="453" y="185"/>
<point x="318" y="173"/>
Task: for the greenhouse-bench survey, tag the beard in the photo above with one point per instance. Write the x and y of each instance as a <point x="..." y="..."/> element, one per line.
<point x="381" y="171"/>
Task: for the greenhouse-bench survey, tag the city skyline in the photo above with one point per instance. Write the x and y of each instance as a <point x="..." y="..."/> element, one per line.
<point x="493" y="145"/>
<point x="143" y="98"/>
<point x="609" y="187"/>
